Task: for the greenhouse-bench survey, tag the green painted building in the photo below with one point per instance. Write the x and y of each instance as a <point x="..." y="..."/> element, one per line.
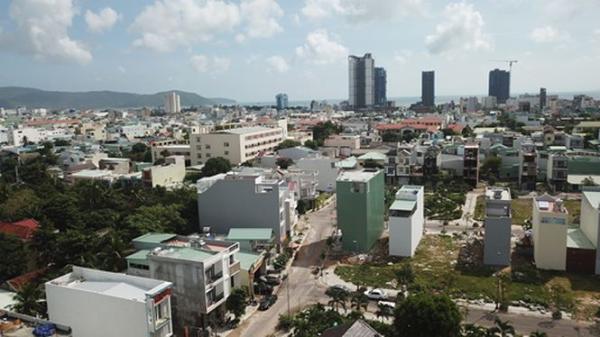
<point x="360" y="208"/>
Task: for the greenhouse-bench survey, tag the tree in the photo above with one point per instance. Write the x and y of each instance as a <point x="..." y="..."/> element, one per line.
<point x="286" y="144"/>
<point x="23" y="203"/>
<point x="14" y="257"/>
<point x="323" y="130"/>
<point x="384" y="311"/>
<point x="359" y="301"/>
<point x="311" y="144"/>
<point x="426" y="315"/>
<point x="405" y="275"/>
<point x="236" y="303"/>
<point x="28" y="300"/>
<point x="538" y="334"/>
<point x="214" y="166"/>
<point x="448" y="132"/>
<point x="503" y="328"/>
<point x="157" y="218"/>
<point x="284" y="163"/>
<point x="471" y="330"/>
<point x="467" y="132"/>
<point x="588" y="181"/>
<point x="491" y="167"/>
<point x="338" y="298"/>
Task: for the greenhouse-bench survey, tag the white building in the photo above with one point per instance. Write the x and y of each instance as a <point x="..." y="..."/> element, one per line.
<point x="17" y="137"/>
<point x="169" y="174"/>
<point x="172" y="103"/>
<point x="237" y="145"/>
<point x="550" y="224"/>
<point x="327" y="169"/>
<point x="96" y="303"/>
<point x="406" y="219"/>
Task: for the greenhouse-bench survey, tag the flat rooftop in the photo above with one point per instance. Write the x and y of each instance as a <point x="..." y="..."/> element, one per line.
<point x="547" y="203"/>
<point x="184" y="253"/>
<point x="246" y="130"/>
<point x="357" y="176"/>
<point x="110" y="284"/>
<point x="403" y="205"/>
<point x="593" y="197"/>
<point x="497" y="193"/>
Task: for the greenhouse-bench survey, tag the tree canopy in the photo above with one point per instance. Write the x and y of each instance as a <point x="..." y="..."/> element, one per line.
<point x="216" y="165"/>
<point x="426" y="315"/>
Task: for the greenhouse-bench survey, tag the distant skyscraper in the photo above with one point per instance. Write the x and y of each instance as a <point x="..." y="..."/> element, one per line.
<point x="361" y="71"/>
<point x="499" y="85"/>
<point x="380" y="87"/>
<point x="542" y="98"/>
<point x="172" y="103"/>
<point x="282" y="101"/>
<point x="428" y="88"/>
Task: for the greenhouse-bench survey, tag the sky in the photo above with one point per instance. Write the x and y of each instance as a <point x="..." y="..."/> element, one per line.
<point x="250" y="50"/>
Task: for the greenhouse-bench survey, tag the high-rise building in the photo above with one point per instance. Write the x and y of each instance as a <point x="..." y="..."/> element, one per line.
<point x="282" y="101"/>
<point x="172" y="103"/>
<point x="380" y="86"/>
<point x="406" y="219"/>
<point x="428" y="88"/>
<point x="360" y="208"/>
<point x="542" y="98"/>
<point x="361" y="81"/>
<point x="499" y="85"/>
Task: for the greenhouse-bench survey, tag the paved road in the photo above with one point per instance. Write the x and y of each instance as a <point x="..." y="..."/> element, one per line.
<point x="303" y="287"/>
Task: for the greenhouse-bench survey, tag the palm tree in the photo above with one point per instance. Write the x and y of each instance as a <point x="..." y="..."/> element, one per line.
<point x="384" y="311"/>
<point x="504" y="328"/>
<point x="538" y="334"/>
<point x="359" y="301"/>
<point x="338" y="298"/>
<point x="27" y="300"/>
<point x="405" y="276"/>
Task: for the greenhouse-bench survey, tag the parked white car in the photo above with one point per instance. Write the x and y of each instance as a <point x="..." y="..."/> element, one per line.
<point x="387" y="304"/>
<point x="375" y="294"/>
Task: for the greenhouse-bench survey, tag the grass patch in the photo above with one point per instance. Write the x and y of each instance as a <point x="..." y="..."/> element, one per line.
<point x="574" y="208"/>
<point x="479" y="208"/>
<point x="435" y="269"/>
<point x="521" y="210"/>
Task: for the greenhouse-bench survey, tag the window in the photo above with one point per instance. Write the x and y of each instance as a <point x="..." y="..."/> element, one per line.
<point x="226" y="153"/>
<point x="226" y="144"/>
<point x="232" y="282"/>
<point x="231" y="259"/>
<point x="199" y="156"/>
<point x="207" y="147"/>
<point x="208" y="155"/>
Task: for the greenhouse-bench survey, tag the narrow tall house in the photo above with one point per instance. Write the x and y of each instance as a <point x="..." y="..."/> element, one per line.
<point x="406" y="219"/>
<point x="498" y="221"/>
<point x="550" y="223"/>
<point x="360" y="208"/>
<point x="471" y="164"/>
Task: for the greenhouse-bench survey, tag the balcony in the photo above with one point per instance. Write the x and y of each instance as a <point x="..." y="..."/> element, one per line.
<point x="234" y="267"/>
<point x="212" y="300"/>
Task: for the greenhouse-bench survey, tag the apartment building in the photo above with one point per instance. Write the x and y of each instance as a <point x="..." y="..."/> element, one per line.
<point x="203" y="273"/>
<point x="238" y="145"/>
<point x="96" y="303"/>
<point x="527" y="166"/>
<point x="471" y="164"/>
<point x="406" y="219"/>
<point x="557" y="170"/>
<point x="169" y="174"/>
<point x="497" y="223"/>
<point x="170" y="147"/>
<point x="247" y="199"/>
<point x="349" y="142"/>
<point x="360" y="208"/>
<point x="550" y="221"/>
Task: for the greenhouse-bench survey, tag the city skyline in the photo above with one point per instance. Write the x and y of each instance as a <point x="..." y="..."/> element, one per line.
<point x="256" y="48"/>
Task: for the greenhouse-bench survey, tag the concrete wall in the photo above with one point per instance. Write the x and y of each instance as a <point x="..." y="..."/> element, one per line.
<point x="406" y="232"/>
<point x="550" y="242"/>
<point x="236" y="204"/>
<point x="590" y="223"/>
<point x="497" y="247"/>
<point x="328" y="172"/>
<point x="95" y="315"/>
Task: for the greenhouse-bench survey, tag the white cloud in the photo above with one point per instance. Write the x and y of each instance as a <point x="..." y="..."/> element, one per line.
<point x="402" y="56"/>
<point x="103" y="21"/>
<point x="204" y="64"/>
<point x="261" y="17"/>
<point x="167" y="24"/>
<point x="547" y="34"/>
<point x="569" y="9"/>
<point x="361" y="10"/>
<point x="319" y="48"/>
<point x="42" y="31"/>
<point x="278" y="64"/>
<point x="463" y="29"/>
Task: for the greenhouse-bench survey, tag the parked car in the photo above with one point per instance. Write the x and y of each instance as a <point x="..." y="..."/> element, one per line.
<point x="375" y="294"/>
<point x="387" y="304"/>
<point x="267" y="302"/>
<point x="341" y="287"/>
<point x="270" y="279"/>
<point x="262" y="288"/>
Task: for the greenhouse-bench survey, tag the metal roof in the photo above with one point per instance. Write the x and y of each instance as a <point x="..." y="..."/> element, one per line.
<point x="250" y="234"/>
<point x="249" y="260"/>
<point x="139" y="257"/>
<point x="155" y="238"/>
<point x="403" y="205"/>
<point x="577" y="239"/>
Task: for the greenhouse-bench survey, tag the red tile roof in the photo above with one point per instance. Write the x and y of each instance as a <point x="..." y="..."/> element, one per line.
<point x="17" y="283"/>
<point x="24" y="229"/>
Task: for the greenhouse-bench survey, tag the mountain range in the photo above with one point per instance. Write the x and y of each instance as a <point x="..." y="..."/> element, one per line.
<point x="13" y="97"/>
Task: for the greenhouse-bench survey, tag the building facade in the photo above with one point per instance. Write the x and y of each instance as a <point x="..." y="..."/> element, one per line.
<point x="360" y="208"/>
<point x="497" y="223"/>
<point x="380" y="87"/>
<point x="406" y="220"/>
<point x="96" y="303"/>
<point x="172" y="103"/>
<point x="499" y="85"/>
<point x="471" y="164"/>
<point x="428" y="88"/>
<point x="550" y="224"/>
<point x="281" y="101"/>
<point x="361" y="71"/>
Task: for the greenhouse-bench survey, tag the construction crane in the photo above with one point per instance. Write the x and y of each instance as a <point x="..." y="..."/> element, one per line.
<point x="510" y="63"/>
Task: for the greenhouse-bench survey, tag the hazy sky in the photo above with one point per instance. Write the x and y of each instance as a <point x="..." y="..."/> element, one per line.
<point x="249" y="50"/>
